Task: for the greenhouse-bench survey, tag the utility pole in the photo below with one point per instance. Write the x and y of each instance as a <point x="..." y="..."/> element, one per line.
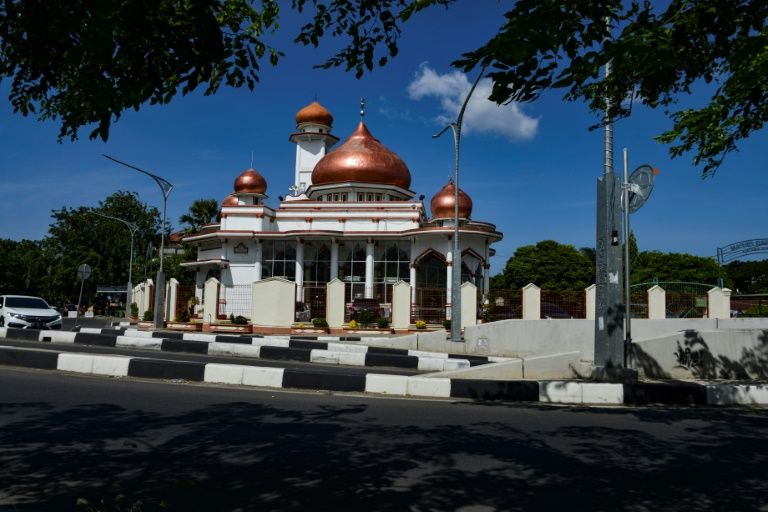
<point x="609" y="309"/>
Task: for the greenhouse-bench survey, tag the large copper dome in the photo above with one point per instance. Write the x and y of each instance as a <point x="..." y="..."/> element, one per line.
<point x="364" y="159"/>
<point x="250" y="182"/>
<point x="442" y="204"/>
<point x="314" y="113"/>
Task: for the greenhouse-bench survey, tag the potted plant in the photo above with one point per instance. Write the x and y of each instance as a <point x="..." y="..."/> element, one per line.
<point x="421" y="324"/>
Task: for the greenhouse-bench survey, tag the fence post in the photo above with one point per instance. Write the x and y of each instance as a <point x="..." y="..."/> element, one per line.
<point x="590" y="293"/>
<point x="401" y="305"/>
<point x="468" y="304"/>
<point x="657" y="302"/>
<point x="719" y="303"/>
<point x="210" y="301"/>
<point x="334" y="304"/>
<point x="273" y="303"/>
<point x="531" y="302"/>
<point x="172" y="298"/>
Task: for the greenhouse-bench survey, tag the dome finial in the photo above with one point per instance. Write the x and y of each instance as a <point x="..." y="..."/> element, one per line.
<point x="362" y="109"/>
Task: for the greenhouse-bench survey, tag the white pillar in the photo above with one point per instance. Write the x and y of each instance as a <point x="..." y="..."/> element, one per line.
<point x="334" y="304"/>
<point x="719" y="303"/>
<point x="591" y="297"/>
<point x="300" y="271"/>
<point x="486" y="279"/>
<point x="257" y="264"/>
<point x="211" y="300"/>
<point x="334" y="259"/>
<point x="531" y="302"/>
<point x="468" y="304"/>
<point x="657" y="302"/>
<point x="172" y="298"/>
<point x="413" y="281"/>
<point x="448" y="278"/>
<point x="369" y="270"/>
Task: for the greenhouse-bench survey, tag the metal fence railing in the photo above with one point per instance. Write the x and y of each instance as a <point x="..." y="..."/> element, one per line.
<point x="184" y="294"/>
<point x="683" y="300"/>
<point x="638" y="304"/>
<point x="563" y="304"/>
<point x="429" y="306"/>
<point x="749" y="305"/>
<point x="235" y="300"/>
<point x="315" y="298"/>
<point x="503" y="305"/>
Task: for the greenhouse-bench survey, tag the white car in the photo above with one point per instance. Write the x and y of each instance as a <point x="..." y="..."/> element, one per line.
<point x="27" y="312"/>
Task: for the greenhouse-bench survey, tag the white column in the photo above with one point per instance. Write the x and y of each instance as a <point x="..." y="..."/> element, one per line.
<point x="591" y="298"/>
<point x="334" y="260"/>
<point x="486" y="279"/>
<point x="257" y="263"/>
<point x="299" y="271"/>
<point x="413" y="281"/>
<point x="448" y="277"/>
<point x="369" y="270"/>
<point x="657" y="302"/>
<point x="531" y="302"/>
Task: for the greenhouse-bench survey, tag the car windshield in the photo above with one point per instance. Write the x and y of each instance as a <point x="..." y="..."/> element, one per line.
<point x="25" y="302"/>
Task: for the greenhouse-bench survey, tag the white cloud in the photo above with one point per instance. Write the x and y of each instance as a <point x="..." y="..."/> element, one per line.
<point x="481" y="115"/>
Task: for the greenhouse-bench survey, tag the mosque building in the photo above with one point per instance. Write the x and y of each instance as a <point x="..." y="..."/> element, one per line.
<point x="350" y="215"/>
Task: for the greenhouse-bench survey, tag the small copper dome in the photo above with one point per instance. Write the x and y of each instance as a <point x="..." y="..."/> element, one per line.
<point x="314" y="113"/>
<point x="364" y="159"/>
<point x="250" y="182"/>
<point x="230" y="200"/>
<point x="442" y="204"/>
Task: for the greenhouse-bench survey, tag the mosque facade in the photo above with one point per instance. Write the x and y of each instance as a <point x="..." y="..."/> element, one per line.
<point x="352" y="216"/>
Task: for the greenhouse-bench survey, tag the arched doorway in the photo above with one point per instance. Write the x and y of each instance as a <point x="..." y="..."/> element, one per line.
<point x="430" y="297"/>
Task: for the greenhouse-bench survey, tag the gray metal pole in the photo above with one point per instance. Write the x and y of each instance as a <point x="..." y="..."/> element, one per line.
<point x="456" y="255"/>
<point x="160" y="281"/>
<point x="627" y="297"/>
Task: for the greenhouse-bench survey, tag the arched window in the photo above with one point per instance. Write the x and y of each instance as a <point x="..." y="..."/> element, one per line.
<point x="278" y="259"/>
<point x="430" y="272"/>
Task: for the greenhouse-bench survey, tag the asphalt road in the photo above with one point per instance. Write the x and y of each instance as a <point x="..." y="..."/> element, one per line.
<point x="196" y="447"/>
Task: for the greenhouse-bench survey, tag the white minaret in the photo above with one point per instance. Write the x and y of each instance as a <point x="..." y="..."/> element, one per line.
<point x="313" y="139"/>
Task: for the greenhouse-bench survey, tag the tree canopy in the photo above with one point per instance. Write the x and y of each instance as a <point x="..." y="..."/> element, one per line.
<point x="201" y="212"/>
<point x="86" y="62"/>
<point x="549" y="265"/>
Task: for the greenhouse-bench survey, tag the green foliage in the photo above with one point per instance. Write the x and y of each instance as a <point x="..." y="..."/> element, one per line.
<point x="201" y="212"/>
<point x="382" y="322"/>
<point x="364" y="317"/>
<point x="239" y="320"/>
<point x="352" y="324"/>
<point x="675" y="267"/>
<point x="549" y="265"/>
<point x="748" y="276"/>
<point x="421" y="324"/>
<point x="86" y="62"/>
<point x="149" y="315"/>
<point x="447" y="325"/>
<point x="134" y="309"/>
<point x="319" y="323"/>
<point x="183" y="316"/>
<point x="658" y="51"/>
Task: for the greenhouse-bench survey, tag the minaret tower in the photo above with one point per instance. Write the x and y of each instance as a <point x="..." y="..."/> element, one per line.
<point x="313" y="139"/>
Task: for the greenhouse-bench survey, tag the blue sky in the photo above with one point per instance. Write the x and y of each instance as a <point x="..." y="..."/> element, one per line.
<point x="531" y="169"/>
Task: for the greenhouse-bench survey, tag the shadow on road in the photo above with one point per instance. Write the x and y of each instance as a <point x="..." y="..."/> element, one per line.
<point x="255" y="456"/>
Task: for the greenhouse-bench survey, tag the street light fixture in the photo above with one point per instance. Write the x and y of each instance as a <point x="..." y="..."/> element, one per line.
<point x="133" y="228"/>
<point x="165" y="187"/>
<point x="456" y="256"/>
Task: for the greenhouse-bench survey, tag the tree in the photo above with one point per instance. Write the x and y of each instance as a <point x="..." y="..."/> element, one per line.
<point x="86" y="62"/>
<point x="652" y="265"/>
<point x="749" y="276"/>
<point x="549" y="265"/>
<point x="658" y="55"/>
<point x="201" y="212"/>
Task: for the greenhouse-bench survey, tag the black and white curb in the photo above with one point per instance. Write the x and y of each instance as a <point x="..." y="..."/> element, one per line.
<point x="562" y="392"/>
<point x="272" y="348"/>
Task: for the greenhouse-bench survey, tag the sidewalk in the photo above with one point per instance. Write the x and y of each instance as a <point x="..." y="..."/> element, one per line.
<point x="430" y="385"/>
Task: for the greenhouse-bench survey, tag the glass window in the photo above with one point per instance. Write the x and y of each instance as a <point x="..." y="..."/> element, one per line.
<point x="317" y="263"/>
<point x="391" y="264"/>
<point x="278" y="259"/>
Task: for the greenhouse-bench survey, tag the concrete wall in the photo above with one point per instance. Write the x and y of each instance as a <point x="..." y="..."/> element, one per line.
<point x="723" y="354"/>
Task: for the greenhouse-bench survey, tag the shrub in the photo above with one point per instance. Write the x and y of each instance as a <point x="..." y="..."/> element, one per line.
<point x="447" y="325"/>
<point x="320" y="323"/>
<point x="183" y="316"/>
<point x="149" y="315"/>
<point x="365" y="317"/>
<point x="134" y="310"/>
<point x="421" y="324"/>
<point x="382" y="322"/>
<point x="353" y="324"/>
<point x="239" y="320"/>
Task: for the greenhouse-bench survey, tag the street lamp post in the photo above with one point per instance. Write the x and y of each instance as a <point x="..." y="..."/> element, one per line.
<point x="165" y="187"/>
<point x="133" y="228"/>
<point x="456" y="255"/>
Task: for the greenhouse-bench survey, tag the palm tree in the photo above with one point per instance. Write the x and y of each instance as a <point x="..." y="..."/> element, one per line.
<point x="201" y="212"/>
